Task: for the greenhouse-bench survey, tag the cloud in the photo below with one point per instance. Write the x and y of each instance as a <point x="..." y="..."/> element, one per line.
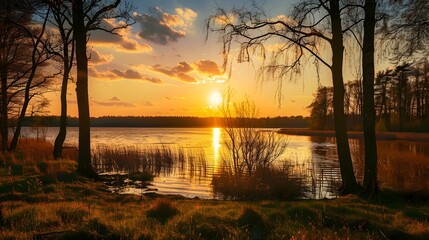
<point x="128" y="74"/>
<point x="208" y="67"/>
<point x="175" y="97"/>
<point x="97" y="58"/>
<point x="202" y="71"/>
<point x="179" y="71"/>
<point x="115" y="74"/>
<point x="186" y="13"/>
<point x="115" y="99"/>
<point x="114" y="104"/>
<point x="122" y="41"/>
<point x="147" y="104"/>
<point x="162" y="28"/>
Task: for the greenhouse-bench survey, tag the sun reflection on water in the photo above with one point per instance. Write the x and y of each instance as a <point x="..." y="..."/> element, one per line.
<point x="216" y="145"/>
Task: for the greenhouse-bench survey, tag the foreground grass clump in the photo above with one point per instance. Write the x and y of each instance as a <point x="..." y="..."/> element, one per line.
<point x="162" y="210"/>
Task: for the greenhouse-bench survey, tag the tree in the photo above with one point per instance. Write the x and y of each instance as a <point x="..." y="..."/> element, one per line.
<point x="311" y="24"/>
<point x="22" y="55"/>
<point x="320" y="109"/>
<point x="11" y="48"/>
<point x="88" y="17"/>
<point x="408" y="31"/>
<point x="39" y="56"/>
<point x="370" y="182"/>
<point x="64" y="50"/>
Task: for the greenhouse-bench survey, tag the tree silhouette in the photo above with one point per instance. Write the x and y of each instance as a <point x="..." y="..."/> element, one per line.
<point x="63" y="49"/>
<point x="312" y="24"/>
<point x="88" y="17"/>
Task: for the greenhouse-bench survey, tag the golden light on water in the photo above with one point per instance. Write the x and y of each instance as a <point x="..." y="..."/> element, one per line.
<point x="216" y="145"/>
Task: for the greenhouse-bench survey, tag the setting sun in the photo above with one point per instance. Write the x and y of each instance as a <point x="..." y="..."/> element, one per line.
<point x="215" y="99"/>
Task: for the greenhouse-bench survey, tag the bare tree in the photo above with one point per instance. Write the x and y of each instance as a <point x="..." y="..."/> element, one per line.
<point x="32" y="79"/>
<point x="22" y="56"/>
<point x="87" y="16"/>
<point x="12" y="46"/>
<point x="408" y="31"/>
<point x="61" y="18"/>
<point x="312" y="24"/>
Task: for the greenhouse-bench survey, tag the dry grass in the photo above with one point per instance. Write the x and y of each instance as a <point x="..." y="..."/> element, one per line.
<point x="83" y="210"/>
<point x="162" y="210"/>
<point x="80" y="209"/>
<point x="156" y="159"/>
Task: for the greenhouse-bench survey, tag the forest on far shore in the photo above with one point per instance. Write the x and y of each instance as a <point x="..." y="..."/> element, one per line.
<point x="164" y="121"/>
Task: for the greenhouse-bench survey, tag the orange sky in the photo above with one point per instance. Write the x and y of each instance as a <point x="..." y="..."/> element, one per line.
<point x="163" y="66"/>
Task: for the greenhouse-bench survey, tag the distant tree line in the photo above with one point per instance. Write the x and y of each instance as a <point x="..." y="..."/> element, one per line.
<point x="166" y="121"/>
<point x="401" y="97"/>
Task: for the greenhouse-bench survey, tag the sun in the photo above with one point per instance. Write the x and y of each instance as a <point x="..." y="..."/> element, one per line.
<point x="215" y="99"/>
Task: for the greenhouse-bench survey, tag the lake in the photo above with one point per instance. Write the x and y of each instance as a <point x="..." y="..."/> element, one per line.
<point x="403" y="165"/>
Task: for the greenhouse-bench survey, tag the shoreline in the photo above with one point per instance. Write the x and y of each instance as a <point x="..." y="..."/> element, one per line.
<point x="408" y="136"/>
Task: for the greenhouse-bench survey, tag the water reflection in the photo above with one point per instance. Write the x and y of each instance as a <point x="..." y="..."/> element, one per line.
<point x="403" y="165"/>
<point x="216" y="143"/>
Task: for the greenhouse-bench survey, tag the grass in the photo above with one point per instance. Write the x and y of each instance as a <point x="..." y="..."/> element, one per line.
<point x="162" y="210"/>
<point x="84" y="209"/>
<point x="155" y="158"/>
<point x="75" y="208"/>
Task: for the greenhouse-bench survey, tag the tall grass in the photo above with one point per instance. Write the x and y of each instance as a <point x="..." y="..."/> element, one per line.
<point x="156" y="159"/>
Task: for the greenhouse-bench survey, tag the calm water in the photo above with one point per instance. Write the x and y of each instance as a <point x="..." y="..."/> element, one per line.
<point x="403" y="164"/>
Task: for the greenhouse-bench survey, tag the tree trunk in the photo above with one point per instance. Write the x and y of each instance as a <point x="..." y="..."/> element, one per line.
<point x="349" y="184"/>
<point x="370" y="177"/>
<point x="3" y="113"/>
<point x="59" y="140"/>
<point x="84" y="154"/>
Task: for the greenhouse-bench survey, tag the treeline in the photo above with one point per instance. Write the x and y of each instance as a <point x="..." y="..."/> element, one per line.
<point x="166" y="121"/>
<point x="401" y="96"/>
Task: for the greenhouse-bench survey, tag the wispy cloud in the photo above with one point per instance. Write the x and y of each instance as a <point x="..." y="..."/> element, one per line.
<point x="115" y="99"/>
<point x="208" y="67"/>
<point x="179" y="71"/>
<point x="97" y="58"/>
<point x="161" y="28"/>
<point x="122" y="41"/>
<point x="116" y="74"/>
<point x="202" y="71"/>
<point x="147" y="104"/>
<point x="114" y="104"/>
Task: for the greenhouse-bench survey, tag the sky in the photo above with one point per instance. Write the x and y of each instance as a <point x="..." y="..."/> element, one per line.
<point x="164" y="66"/>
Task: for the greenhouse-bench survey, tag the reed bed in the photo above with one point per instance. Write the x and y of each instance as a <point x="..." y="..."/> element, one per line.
<point x="156" y="159"/>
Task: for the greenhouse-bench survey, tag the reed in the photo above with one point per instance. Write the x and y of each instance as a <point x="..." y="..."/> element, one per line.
<point x="156" y="159"/>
